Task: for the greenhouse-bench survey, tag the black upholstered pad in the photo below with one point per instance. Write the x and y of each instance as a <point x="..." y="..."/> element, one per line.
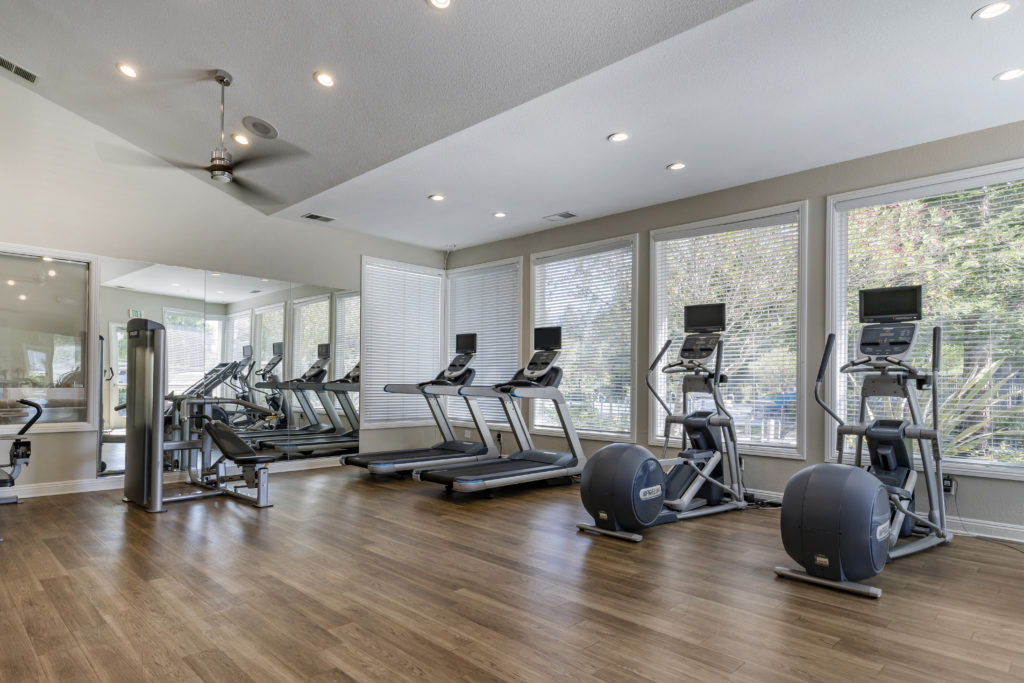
<point x="233" y="447"/>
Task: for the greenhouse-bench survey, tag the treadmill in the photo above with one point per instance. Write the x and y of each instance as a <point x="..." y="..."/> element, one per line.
<point x="345" y="434"/>
<point x="450" y="450"/>
<point x="315" y="373"/>
<point x="538" y="380"/>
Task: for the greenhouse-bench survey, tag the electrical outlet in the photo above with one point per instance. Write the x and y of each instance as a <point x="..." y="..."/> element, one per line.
<point x="948" y="485"/>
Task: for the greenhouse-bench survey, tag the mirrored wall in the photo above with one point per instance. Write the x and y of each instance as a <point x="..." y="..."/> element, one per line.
<point x="214" y="321"/>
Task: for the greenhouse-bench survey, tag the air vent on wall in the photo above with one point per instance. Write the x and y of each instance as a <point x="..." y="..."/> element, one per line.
<point x="17" y="70"/>
<point x="317" y="217"/>
<point x="560" y="216"/>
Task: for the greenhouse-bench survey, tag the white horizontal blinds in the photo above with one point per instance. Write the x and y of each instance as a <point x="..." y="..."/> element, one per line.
<point x="589" y="293"/>
<point x="214" y="350"/>
<point x="966" y="249"/>
<point x="752" y="267"/>
<point x="239" y="333"/>
<point x="268" y="326"/>
<point x="311" y="326"/>
<point x="486" y="301"/>
<point x="346" y="336"/>
<point x="401" y="326"/>
<point x="186" y="353"/>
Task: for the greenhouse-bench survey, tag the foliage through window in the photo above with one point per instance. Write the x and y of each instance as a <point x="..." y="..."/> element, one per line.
<point x="310" y="328"/>
<point x="589" y="293"/>
<point x="752" y="267"/>
<point x="966" y="249"/>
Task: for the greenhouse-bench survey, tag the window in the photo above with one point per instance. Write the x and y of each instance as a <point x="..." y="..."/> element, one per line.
<point x="346" y="332"/>
<point x="961" y="237"/>
<point x="401" y="341"/>
<point x="751" y="263"/>
<point x="268" y="329"/>
<point x="214" y="342"/>
<point x="588" y="291"/>
<point x="311" y="326"/>
<point x="239" y="333"/>
<point x="486" y="300"/>
<point x="186" y="348"/>
<point x="44" y="322"/>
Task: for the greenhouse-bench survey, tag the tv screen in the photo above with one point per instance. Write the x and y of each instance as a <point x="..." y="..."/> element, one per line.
<point x="278" y="348"/>
<point x="323" y="350"/>
<point x="465" y="343"/>
<point x="547" y="338"/>
<point x="704" y="318"/>
<point x="890" y="304"/>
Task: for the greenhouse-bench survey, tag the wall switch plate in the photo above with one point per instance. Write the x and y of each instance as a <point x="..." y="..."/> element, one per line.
<point x="948" y="484"/>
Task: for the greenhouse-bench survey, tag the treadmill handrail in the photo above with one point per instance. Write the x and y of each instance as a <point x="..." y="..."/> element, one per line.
<point x="442" y="390"/>
<point x="403" y="389"/>
<point x="482" y="390"/>
<point x="342" y="386"/>
<point x="551" y="393"/>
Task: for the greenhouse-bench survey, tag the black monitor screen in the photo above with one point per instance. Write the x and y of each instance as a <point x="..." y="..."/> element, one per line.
<point x="547" y="338"/>
<point x="704" y="318"/>
<point x="278" y="348"/>
<point x="465" y="343"/>
<point x="890" y="304"/>
<point x="323" y="350"/>
<point x="247" y="351"/>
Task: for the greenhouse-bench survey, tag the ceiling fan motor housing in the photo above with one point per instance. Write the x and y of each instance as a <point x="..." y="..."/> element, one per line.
<point x="220" y="165"/>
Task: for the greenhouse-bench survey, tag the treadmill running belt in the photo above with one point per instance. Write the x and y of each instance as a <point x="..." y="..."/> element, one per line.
<point x="488" y="470"/>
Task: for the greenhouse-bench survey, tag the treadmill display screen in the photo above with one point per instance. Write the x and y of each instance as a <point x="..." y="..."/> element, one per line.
<point x="323" y="350"/>
<point x="465" y="343"/>
<point x="704" y="318"/>
<point x="247" y="351"/>
<point x="547" y="338"/>
<point x="890" y="304"/>
<point x="278" y="348"/>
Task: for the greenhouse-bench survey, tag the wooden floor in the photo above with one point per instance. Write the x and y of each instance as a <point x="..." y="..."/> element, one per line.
<point x="349" y="578"/>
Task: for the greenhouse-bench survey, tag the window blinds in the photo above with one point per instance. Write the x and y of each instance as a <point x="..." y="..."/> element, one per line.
<point x="752" y="267"/>
<point x="311" y="326"/>
<point x="268" y="326"/>
<point x="966" y="248"/>
<point x="186" y="339"/>
<point x="239" y="333"/>
<point x="486" y="300"/>
<point x="401" y="324"/>
<point x="346" y="332"/>
<point x="589" y="293"/>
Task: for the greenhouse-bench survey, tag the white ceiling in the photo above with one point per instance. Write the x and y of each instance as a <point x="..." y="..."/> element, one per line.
<point x="185" y="283"/>
<point x="505" y="105"/>
<point x="775" y="87"/>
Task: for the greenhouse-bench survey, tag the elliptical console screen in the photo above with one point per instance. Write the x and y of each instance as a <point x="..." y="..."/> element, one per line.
<point x="278" y="349"/>
<point x="465" y="343"/>
<point x="547" y="338"/>
<point x="704" y="318"/>
<point x="323" y="350"/>
<point x="247" y="351"/>
<point x="890" y="304"/>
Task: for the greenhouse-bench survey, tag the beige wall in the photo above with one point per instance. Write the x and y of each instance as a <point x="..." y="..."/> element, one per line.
<point x="996" y="501"/>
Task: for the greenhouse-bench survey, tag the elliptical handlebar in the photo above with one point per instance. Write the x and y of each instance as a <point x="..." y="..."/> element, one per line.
<point x="718" y="362"/>
<point x="651" y="371"/>
<point x="34" y="406"/>
<point x="825" y="358"/>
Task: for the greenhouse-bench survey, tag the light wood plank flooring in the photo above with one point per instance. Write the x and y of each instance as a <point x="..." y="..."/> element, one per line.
<point x="351" y="578"/>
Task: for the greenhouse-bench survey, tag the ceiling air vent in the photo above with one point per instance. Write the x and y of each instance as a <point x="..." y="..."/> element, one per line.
<point x="317" y="217"/>
<point x="560" y="216"/>
<point x="17" y="70"/>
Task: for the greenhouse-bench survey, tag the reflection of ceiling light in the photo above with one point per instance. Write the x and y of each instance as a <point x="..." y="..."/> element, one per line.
<point x="436" y="197"/>
<point x="618" y="137"/>
<point x="325" y="79"/>
<point x="240" y="139"/>
<point x="175" y="284"/>
<point x="500" y="214"/>
<point x="214" y="274"/>
<point x="992" y="10"/>
<point x="128" y="70"/>
<point x="440" y="4"/>
<point x="220" y="291"/>
<point x="677" y="166"/>
<point x="1009" y="75"/>
<point x="22" y="297"/>
<point x="264" y="279"/>
<point x="52" y="273"/>
<point x="47" y="258"/>
<point x="10" y="282"/>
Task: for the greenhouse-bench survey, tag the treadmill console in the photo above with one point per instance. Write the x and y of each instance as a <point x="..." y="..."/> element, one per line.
<point x="540" y="363"/>
<point x="699" y="346"/>
<point x="458" y="366"/>
<point x="882" y="340"/>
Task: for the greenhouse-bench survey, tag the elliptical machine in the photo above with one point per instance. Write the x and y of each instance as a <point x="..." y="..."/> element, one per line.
<point x="625" y="488"/>
<point x="842" y="523"/>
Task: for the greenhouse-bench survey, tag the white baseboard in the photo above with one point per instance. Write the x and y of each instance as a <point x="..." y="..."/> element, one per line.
<point x="116" y="482"/>
<point x="770" y="496"/>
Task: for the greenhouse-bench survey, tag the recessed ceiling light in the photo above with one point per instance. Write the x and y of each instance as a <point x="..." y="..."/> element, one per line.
<point x="992" y="10"/>
<point x="22" y="297"/>
<point x="52" y="273"/>
<point x="10" y="282"/>
<point x="220" y="291"/>
<point x="240" y="139"/>
<point x="440" y="4"/>
<point x="1009" y="75"/>
<point x="618" y="137"/>
<point x="500" y="214"/>
<point x="127" y="70"/>
<point x="264" y="279"/>
<point x="325" y="79"/>
<point x="214" y="274"/>
<point x="676" y="166"/>
<point x="47" y="258"/>
<point x="175" y="284"/>
<point x="436" y="197"/>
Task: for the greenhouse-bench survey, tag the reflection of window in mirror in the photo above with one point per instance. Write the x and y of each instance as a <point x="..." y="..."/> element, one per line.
<point x="43" y="327"/>
<point x="310" y="328"/>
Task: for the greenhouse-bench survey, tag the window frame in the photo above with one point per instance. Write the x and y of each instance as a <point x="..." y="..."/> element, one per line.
<point x="916" y="188"/>
<point x="91" y="350"/>
<point x="713" y="226"/>
<point x="586" y="249"/>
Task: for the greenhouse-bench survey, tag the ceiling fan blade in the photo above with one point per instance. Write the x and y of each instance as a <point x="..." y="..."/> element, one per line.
<point x="276" y="152"/>
<point x="125" y="156"/>
<point x="250" y="192"/>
